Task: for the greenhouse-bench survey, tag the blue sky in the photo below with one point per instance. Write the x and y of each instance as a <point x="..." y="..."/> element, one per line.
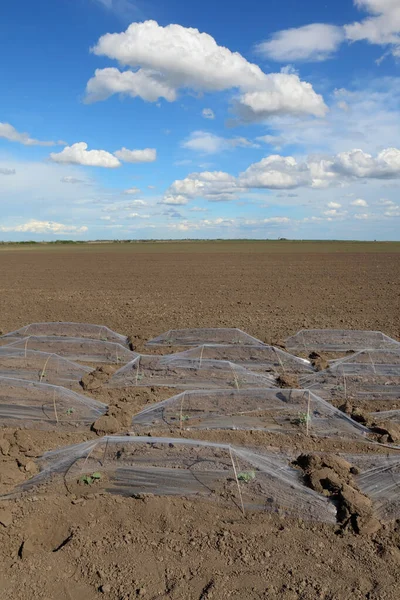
<point x="150" y="119"/>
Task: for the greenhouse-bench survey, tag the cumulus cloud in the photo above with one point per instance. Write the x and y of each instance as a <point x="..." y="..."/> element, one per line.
<point x="136" y="215"/>
<point x="357" y="163"/>
<point x="71" y="180"/>
<point x="137" y="156"/>
<point x="132" y="191"/>
<point x="4" y="171"/>
<point x="209" y="143"/>
<point x="281" y="94"/>
<point x="318" y="41"/>
<point x="9" y="133"/>
<point x="78" y="154"/>
<point x="144" y="84"/>
<point x="382" y="28"/>
<point x="359" y="202"/>
<point x="208" y="113"/>
<point x="167" y="59"/>
<point x="34" y="226"/>
<point x="214" y="186"/>
<point x="315" y="42"/>
<point x="277" y="172"/>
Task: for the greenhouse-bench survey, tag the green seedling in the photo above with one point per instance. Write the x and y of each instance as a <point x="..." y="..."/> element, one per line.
<point x="70" y="411"/>
<point x="302" y="419"/>
<point x="90" y="479"/>
<point x="246" y="476"/>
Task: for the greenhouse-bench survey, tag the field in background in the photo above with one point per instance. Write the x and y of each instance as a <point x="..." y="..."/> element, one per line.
<point x="271" y="289"/>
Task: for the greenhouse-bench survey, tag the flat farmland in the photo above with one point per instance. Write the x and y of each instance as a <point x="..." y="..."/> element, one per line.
<point x="270" y="289"/>
<point x="57" y="545"/>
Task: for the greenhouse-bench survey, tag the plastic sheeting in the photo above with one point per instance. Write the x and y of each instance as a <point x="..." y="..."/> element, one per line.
<point x="258" y="358"/>
<point x="71" y="330"/>
<point x="166" y="467"/>
<point x="368" y="375"/>
<point x="339" y="340"/>
<point x="40" y="405"/>
<point x="80" y="349"/>
<point x="379" y="479"/>
<point x="41" y="367"/>
<point x="280" y="411"/>
<point x="184" y="373"/>
<point x="197" y="337"/>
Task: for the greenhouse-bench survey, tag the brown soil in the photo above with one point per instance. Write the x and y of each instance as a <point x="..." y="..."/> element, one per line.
<point x="100" y="546"/>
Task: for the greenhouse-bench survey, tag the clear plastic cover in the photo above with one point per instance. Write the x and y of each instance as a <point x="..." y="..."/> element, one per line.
<point x="339" y="340"/>
<point x="71" y="330"/>
<point x="281" y="411"/>
<point x="41" y="367"/>
<point x="80" y="349"/>
<point x="368" y="375"/>
<point x="197" y="337"/>
<point x="184" y="373"/>
<point x="256" y="357"/>
<point x="40" y="405"/>
<point x="380" y="480"/>
<point x="166" y="466"/>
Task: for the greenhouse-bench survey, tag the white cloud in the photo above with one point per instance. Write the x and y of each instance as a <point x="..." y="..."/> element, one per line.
<point x="280" y="94"/>
<point x="382" y="28"/>
<point x="78" y="154"/>
<point x="34" y="226"/>
<point x="133" y="191"/>
<point x="208" y="113"/>
<point x="359" y="202"/>
<point x="170" y="58"/>
<point x="285" y="173"/>
<point x="177" y="200"/>
<point x="362" y="216"/>
<point x="314" y="42"/>
<point x="209" y="143"/>
<point x="9" y="133"/>
<point x="137" y="156"/>
<point x="318" y="41"/>
<point x="4" y="171"/>
<point x="276" y="172"/>
<point x="143" y="84"/>
<point x="335" y="214"/>
<point x="214" y="186"/>
<point x="136" y="215"/>
<point x="357" y="163"/>
<point x="71" y="180"/>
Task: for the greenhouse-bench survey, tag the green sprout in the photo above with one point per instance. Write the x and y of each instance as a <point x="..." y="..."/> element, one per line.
<point x="90" y="479"/>
<point x="70" y="411"/>
<point x="302" y="419"/>
<point x="246" y="476"/>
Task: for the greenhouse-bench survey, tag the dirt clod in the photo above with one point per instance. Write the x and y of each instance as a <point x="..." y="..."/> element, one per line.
<point x="106" y="425"/>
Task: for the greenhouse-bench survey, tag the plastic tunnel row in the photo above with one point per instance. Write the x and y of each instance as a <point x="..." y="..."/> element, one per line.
<point x="228" y="380"/>
<point x="132" y="466"/>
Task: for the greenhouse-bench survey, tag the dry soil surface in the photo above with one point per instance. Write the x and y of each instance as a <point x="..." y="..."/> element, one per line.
<point x="100" y="546"/>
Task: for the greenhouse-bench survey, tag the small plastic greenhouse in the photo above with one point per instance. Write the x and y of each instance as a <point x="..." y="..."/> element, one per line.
<point x="44" y="406"/>
<point x="368" y="375"/>
<point x="41" y="367"/>
<point x="197" y="337"/>
<point x="131" y="466"/>
<point x="280" y="411"/>
<point x="71" y="330"/>
<point x="184" y="373"/>
<point x="339" y="340"/>
<point x="258" y="358"/>
<point x="79" y="349"/>
<point x="379" y="479"/>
